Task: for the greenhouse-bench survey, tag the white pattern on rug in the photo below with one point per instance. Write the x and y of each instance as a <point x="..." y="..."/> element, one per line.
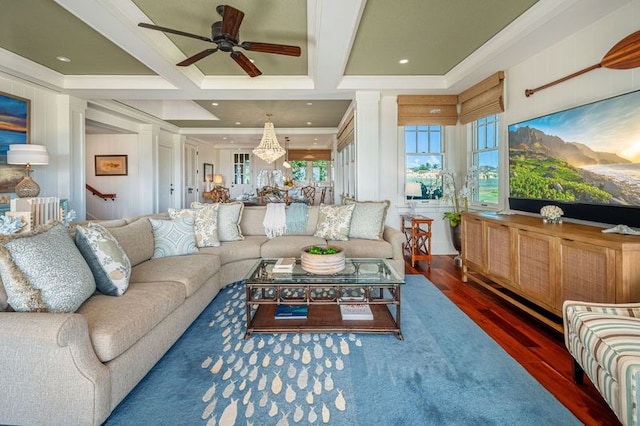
<point x="308" y="362"/>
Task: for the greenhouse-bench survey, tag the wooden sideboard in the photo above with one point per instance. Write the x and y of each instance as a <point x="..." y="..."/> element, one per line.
<point x="526" y="261"/>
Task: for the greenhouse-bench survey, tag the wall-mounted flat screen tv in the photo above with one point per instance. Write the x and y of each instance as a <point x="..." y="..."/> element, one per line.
<point x="584" y="159"/>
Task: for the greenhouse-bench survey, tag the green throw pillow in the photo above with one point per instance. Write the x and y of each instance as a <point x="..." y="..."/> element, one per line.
<point x="368" y="219"/>
<point x="334" y="221"/>
<point x="108" y="262"/>
<point x="43" y="271"/>
<point x="173" y="237"/>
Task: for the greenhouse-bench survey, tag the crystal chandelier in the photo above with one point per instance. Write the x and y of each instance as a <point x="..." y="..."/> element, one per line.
<point x="269" y="149"/>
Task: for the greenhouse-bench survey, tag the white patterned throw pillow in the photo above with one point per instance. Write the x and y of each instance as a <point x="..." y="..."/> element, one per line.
<point x="173" y="237"/>
<point x="334" y="222"/>
<point x="229" y="216"/>
<point x="205" y="223"/>
<point x="109" y="263"/>
<point x="43" y="271"/>
<point x="368" y="219"/>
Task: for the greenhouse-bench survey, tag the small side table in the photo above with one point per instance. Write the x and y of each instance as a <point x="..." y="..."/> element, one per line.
<point x="417" y="231"/>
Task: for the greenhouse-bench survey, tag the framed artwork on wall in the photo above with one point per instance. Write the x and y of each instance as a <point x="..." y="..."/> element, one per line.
<point x="15" y="128"/>
<point x="111" y="165"/>
<point x="208" y="172"/>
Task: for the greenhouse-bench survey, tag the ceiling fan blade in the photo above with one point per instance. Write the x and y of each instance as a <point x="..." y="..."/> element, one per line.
<point x="195" y="58"/>
<point x="172" y="31"/>
<point x="245" y="64"/>
<point x="280" y="49"/>
<point x="231" y="20"/>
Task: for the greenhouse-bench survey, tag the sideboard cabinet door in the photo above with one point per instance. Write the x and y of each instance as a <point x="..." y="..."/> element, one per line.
<point x="587" y="273"/>
<point x="499" y="253"/>
<point x="536" y="267"/>
<point x="473" y="243"/>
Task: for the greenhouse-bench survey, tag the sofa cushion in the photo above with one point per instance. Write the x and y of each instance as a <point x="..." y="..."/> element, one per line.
<point x="252" y="218"/>
<point x="192" y="271"/>
<point x="289" y="245"/>
<point x="43" y="271"/>
<point x="173" y="237"/>
<point x="334" y="221"/>
<point x="231" y="251"/>
<point x="205" y="224"/>
<point x="108" y="262"/>
<point x="368" y="219"/>
<point x="136" y="239"/>
<point x="116" y="323"/>
<point x="365" y="248"/>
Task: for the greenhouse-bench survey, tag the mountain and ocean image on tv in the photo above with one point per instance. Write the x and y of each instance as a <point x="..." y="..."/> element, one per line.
<point x="585" y="159"/>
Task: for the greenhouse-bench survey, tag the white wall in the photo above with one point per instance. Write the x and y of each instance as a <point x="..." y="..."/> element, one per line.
<point x="128" y="189"/>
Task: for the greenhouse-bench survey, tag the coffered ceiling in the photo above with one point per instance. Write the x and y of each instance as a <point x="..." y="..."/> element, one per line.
<point x="347" y="45"/>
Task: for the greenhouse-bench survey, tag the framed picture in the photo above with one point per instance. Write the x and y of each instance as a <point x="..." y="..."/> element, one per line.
<point x="15" y="126"/>
<point x="111" y="165"/>
<point x="14" y="122"/>
<point x="208" y="172"/>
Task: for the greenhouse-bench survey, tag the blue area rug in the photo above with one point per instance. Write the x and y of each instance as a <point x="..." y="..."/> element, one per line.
<point x="447" y="371"/>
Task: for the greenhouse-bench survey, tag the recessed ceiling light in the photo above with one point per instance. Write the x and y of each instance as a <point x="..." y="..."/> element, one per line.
<point x="403" y="61"/>
<point x="224" y="138"/>
<point x="63" y="59"/>
<point x="309" y="103"/>
<point x="238" y="123"/>
<point x="315" y="139"/>
<point x="214" y="103"/>
<point x="309" y="123"/>
<point x="252" y="61"/>
<point x="315" y="143"/>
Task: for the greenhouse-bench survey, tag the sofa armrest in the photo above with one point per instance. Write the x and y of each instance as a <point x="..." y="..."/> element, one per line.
<point x="50" y="371"/>
<point x="396" y="239"/>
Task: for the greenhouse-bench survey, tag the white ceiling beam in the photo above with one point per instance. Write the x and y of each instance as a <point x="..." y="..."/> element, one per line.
<point x="117" y="20"/>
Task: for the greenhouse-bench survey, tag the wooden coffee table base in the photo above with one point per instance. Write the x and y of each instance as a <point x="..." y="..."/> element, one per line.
<point x="323" y="319"/>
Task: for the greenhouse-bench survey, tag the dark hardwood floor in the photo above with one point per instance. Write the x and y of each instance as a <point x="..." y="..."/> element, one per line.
<point x="537" y="347"/>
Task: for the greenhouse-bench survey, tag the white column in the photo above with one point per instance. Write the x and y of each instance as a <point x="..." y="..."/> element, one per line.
<point x="367" y="138"/>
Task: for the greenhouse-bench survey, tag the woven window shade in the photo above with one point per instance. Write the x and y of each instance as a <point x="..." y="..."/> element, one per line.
<point x="309" y="154"/>
<point x="346" y="132"/>
<point x="483" y="99"/>
<point x="427" y="109"/>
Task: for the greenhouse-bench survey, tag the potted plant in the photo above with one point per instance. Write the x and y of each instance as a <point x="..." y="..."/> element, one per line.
<point x="459" y="199"/>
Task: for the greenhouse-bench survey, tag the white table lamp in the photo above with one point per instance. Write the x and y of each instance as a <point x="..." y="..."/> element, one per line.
<point x="218" y="180"/>
<point x="27" y="155"/>
<point x="412" y="189"/>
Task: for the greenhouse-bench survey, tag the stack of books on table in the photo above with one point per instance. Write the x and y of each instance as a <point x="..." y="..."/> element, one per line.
<point x="355" y="312"/>
<point x="292" y="312"/>
<point x="284" y="265"/>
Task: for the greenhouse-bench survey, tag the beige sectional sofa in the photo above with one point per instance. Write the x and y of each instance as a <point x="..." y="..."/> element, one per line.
<point x="76" y="368"/>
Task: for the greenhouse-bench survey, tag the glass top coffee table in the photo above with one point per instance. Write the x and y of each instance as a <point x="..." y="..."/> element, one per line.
<point x="370" y="282"/>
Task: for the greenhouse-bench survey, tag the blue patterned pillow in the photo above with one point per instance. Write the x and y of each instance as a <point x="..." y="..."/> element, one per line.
<point x="174" y="237"/>
<point x="43" y="271"/>
<point x="110" y="265"/>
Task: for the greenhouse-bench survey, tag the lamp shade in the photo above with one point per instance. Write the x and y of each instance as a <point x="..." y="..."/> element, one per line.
<point x="27" y="154"/>
<point x="413" y="189"/>
<point x="217" y="179"/>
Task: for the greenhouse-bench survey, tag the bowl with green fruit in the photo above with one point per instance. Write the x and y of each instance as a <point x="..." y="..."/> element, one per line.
<point x="322" y="260"/>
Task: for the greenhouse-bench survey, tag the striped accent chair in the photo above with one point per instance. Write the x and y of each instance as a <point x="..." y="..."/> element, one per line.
<point x="604" y="340"/>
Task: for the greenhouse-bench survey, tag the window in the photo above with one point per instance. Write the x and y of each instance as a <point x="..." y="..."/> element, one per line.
<point x="241" y="169"/>
<point x="424" y="156"/>
<point x="485" y="160"/>
<point x="312" y="171"/>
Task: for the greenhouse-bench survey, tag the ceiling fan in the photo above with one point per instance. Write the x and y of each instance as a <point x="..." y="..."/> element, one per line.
<point x="225" y="35"/>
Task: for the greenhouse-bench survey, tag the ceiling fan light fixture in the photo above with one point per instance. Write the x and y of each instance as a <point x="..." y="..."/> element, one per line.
<point x="269" y="150"/>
